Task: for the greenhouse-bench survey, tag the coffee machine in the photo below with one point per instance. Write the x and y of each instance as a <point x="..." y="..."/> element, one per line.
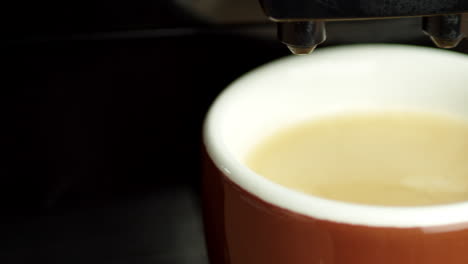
<point x="301" y="23"/>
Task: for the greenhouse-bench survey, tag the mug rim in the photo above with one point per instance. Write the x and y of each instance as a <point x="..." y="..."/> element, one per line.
<point x="314" y="206"/>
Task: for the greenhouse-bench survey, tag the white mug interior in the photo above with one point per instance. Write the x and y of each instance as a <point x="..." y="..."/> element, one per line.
<point x="335" y="80"/>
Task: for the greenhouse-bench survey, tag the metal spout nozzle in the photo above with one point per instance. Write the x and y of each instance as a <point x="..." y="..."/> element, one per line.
<point x="444" y="30"/>
<point x="446" y="43"/>
<point x="302" y="37"/>
<point x="301" y="50"/>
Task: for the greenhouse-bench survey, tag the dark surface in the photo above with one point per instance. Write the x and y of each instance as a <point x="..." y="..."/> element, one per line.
<point x="162" y="227"/>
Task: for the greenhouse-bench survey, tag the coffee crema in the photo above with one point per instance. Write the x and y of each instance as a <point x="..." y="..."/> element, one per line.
<point x="388" y="158"/>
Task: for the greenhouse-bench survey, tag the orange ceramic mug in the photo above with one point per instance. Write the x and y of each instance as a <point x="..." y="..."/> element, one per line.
<point x="251" y="220"/>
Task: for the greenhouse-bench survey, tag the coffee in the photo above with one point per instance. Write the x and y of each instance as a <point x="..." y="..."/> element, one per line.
<point x="388" y="158"/>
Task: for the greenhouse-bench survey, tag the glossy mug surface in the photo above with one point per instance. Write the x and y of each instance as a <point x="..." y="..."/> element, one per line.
<point x="251" y="220"/>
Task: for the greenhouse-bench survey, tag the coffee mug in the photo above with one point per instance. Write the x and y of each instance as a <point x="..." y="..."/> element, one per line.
<point x="251" y="220"/>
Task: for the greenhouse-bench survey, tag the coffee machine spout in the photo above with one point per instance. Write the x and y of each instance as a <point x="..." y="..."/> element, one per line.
<point x="445" y="31"/>
<point x="301" y="23"/>
<point x="302" y="37"/>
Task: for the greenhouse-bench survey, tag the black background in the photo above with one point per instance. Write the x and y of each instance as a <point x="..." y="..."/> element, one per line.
<point x="101" y="113"/>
